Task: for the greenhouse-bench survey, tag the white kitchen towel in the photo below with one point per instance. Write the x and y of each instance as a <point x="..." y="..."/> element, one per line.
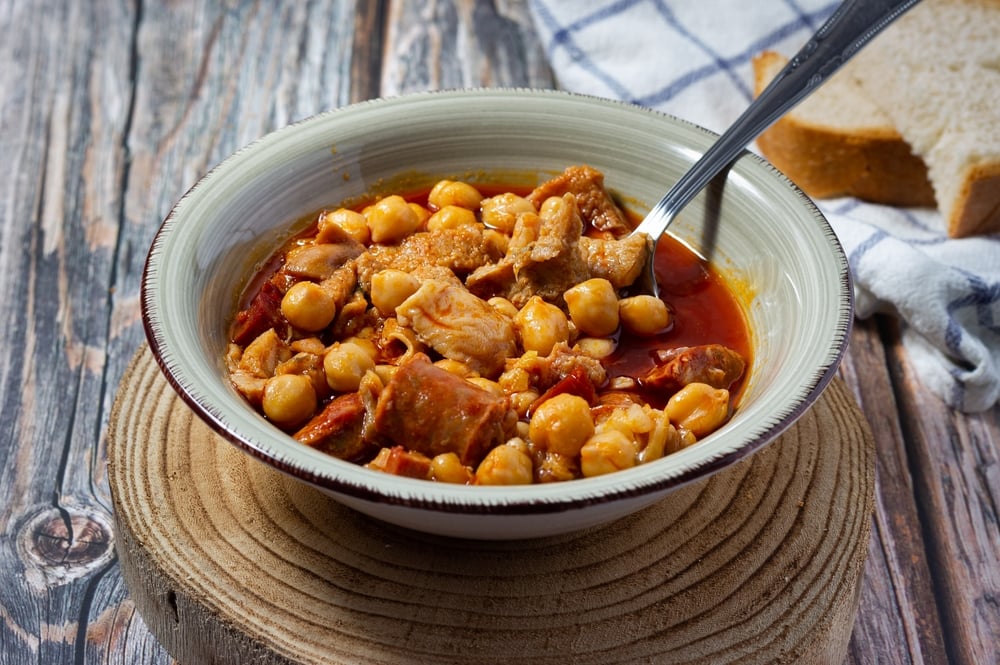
<point x="692" y="59"/>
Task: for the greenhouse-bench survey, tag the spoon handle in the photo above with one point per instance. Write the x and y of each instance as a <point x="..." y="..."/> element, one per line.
<point x="850" y="27"/>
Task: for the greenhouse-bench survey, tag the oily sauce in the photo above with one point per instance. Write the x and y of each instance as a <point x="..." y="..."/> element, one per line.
<point x="703" y="311"/>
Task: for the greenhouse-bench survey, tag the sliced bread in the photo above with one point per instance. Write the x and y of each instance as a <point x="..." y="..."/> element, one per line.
<point x="934" y="78"/>
<point x="838" y="143"/>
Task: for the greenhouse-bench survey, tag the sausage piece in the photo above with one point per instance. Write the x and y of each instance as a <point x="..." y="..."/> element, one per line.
<point x="336" y="430"/>
<point x="714" y="364"/>
<point x="432" y="411"/>
<point x="263" y="313"/>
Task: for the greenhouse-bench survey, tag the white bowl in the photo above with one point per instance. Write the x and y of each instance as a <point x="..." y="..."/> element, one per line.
<point x="771" y="240"/>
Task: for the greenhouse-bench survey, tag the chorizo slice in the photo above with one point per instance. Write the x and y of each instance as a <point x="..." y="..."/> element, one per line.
<point x="263" y="313"/>
<point x="337" y="429"/>
<point x="432" y="411"/>
<point x="713" y="364"/>
<point x="399" y="461"/>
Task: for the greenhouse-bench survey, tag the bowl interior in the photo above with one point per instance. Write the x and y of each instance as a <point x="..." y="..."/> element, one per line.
<point x="772" y="243"/>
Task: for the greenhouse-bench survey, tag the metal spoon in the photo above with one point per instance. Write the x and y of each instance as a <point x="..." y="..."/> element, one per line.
<point x="850" y="27"/>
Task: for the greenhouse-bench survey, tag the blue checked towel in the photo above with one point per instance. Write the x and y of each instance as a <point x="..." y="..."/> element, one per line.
<point x="692" y="59"/>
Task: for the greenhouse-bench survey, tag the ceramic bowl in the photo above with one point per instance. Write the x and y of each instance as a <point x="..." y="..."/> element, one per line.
<point x="770" y="239"/>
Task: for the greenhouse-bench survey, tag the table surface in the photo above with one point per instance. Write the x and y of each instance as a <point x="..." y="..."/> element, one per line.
<point x="112" y="110"/>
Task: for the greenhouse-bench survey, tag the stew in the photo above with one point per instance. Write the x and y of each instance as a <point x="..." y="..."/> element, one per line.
<point x="489" y="336"/>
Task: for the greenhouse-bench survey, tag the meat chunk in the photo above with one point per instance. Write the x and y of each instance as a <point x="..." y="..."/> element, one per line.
<point x="262" y="314"/>
<point x="337" y="429"/>
<point x="575" y="383"/>
<point x="432" y="411"/>
<point x="340" y="283"/>
<point x="563" y="361"/>
<point x="713" y="364"/>
<point x="596" y="206"/>
<point x="618" y="261"/>
<point x="263" y="354"/>
<point x="459" y="326"/>
<point x="460" y="249"/>
<point x="318" y="261"/>
<point x="494" y="279"/>
<point x="399" y="461"/>
<point x="550" y="262"/>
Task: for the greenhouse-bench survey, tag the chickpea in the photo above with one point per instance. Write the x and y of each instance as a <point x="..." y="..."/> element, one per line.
<point x="500" y="212"/>
<point x="489" y="386"/>
<point x="447" y="468"/>
<point x="607" y="451"/>
<point x="308" y="307"/>
<point x="519" y="444"/>
<point x="456" y="367"/>
<point x="452" y="192"/>
<point x="391" y="219"/>
<point x="514" y="380"/>
<point x="366" y="344"/>
<point x="289" y="400"/>
<point x="351" y="222"/>
<point x="391" y="287"/>
<point x="505" y="465"/>
<point x="503" y="306"/>
<point x="541" y="326"/>
<point x="521" y="401"/>
<point x="644" y="315"/>
<point x="596" y="347"/>
<point x="593" y="306"/>
<point x="698" y="408"/>
<point x="562" y="424"/>
<point x="450" y="217"/>
<point x="423" y="214"/>
<point x="345" y="364"/>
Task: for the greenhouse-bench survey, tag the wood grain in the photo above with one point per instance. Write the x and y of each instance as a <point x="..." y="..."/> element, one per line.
<point x="230" y="561"/>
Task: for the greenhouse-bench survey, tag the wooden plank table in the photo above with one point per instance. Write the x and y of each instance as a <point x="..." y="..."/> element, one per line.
<point x="111" y="110"/>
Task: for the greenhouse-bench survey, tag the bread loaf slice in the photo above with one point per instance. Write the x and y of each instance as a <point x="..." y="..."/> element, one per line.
<point x="934" y="78"/>
<point x="839" y="143"/>
<point x="936" y="75"/>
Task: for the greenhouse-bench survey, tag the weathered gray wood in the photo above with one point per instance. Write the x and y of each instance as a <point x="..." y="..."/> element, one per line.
<point x="110" y="110"/>
<point x="437" y="44"/>
<point x="65" y="99"/>
<point x="956" y="479"/>
<point x="898" y="618"/>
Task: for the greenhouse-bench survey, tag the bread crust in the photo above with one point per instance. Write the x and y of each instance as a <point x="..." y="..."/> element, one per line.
<point x="871" y="162"/>
<point x="977" y="208"/>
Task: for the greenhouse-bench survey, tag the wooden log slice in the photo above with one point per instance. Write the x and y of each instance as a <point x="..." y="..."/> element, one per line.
<point x="229" y="561"/>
